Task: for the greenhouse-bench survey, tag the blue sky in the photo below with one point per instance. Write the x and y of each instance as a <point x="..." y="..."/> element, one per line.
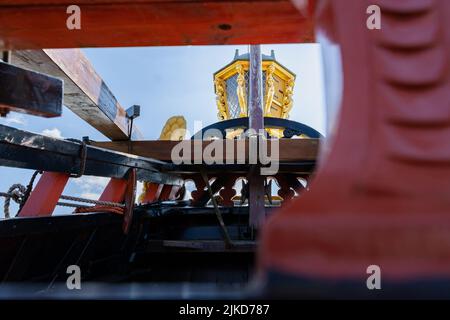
<point x="168" y="81"/>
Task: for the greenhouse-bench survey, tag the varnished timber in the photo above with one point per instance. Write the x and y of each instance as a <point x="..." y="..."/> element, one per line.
<point x="85" y="93"/>
<point x="30" y="24"/>
<point x="291" y="150"/>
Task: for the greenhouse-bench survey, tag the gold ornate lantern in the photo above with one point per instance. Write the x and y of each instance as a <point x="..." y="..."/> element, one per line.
<point x="231" y="86"/>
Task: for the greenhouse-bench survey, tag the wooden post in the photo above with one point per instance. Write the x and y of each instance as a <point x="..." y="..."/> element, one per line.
<point x="45" y="196"/>
<point x="256" y="123"/>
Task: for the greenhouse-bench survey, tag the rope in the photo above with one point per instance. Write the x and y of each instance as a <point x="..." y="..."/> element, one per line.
<point x="20" y="194"/>
<point x="71" y="205"/>
<point x="115" y="210"/>
<point x="27" y="192"/>
<point x="16" y="193"/>
<point x="96" y="202"/>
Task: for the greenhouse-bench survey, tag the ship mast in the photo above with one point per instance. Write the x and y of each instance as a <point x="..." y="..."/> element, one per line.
<point x="256" y="126"/>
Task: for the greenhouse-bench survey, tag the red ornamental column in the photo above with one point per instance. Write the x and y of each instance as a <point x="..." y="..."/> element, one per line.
<point x="381" y="195"/>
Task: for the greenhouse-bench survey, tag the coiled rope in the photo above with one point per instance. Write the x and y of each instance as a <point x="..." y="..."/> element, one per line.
<point x="16" y="193"/>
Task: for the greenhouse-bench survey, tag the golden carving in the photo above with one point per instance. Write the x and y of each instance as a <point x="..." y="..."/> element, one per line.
<point x="174" y="130"/>
<point x="270" y="89"/>
<point x="287" y="99"/>
<point x="279" y="86"/>
<point x="241" y="90"/>
<point x="221" y="100"/>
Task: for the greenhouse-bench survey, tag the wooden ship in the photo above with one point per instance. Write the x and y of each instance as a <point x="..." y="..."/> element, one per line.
<point x="379" y="196"/>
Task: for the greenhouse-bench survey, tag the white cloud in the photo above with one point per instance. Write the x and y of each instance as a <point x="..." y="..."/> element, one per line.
<point x="54" y="133"/>
<point x="139" y="190"/>
<point x="90" y="184"/>
<point x="90" y="187"/>
<point x="139" y="187"/>
<point x="15" y="119"/>
<point x="190" y="186"/>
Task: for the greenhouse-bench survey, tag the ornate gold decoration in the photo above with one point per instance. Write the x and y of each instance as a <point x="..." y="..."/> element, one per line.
<point x="231" y="90"/>
<point x="221" y="99"/>
<point x="270" y="89"/>
<point x="174" y="130"/>
<point x="287" y="99"/>
<point x="241" y="90"/>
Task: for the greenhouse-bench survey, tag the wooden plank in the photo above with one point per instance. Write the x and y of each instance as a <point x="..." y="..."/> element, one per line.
<point x="30" y="24"/>
<point x="29" y="92"/>
<point x="85" y="93"/>
<point x="291" y="150"/>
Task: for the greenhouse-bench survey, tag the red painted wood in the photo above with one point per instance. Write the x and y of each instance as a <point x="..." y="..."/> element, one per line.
<point x="227" y="193"/>
<point x="285" y="192"/>
<point x="174" y="192"/>
<point x="151" y="193"/>
<point x="114" y="190"/>
<point x="381" y="194"/>
<point x="156" y="192"/>
<point x="37" y="24"/>
<point x="46" y="194"/>
<point x="130" y="198"/>
<point x="165" y="192"/>
<point x="199" y="191"/>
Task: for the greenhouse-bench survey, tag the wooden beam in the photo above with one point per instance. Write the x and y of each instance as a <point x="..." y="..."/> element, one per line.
<point x="29" y="92"/>
<point x="257" y="212"/>
<point x="290" y="150"/>
<point x="23" y="149"/>
<point x="85" y="93"/>
<point x="31" y="24"/>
